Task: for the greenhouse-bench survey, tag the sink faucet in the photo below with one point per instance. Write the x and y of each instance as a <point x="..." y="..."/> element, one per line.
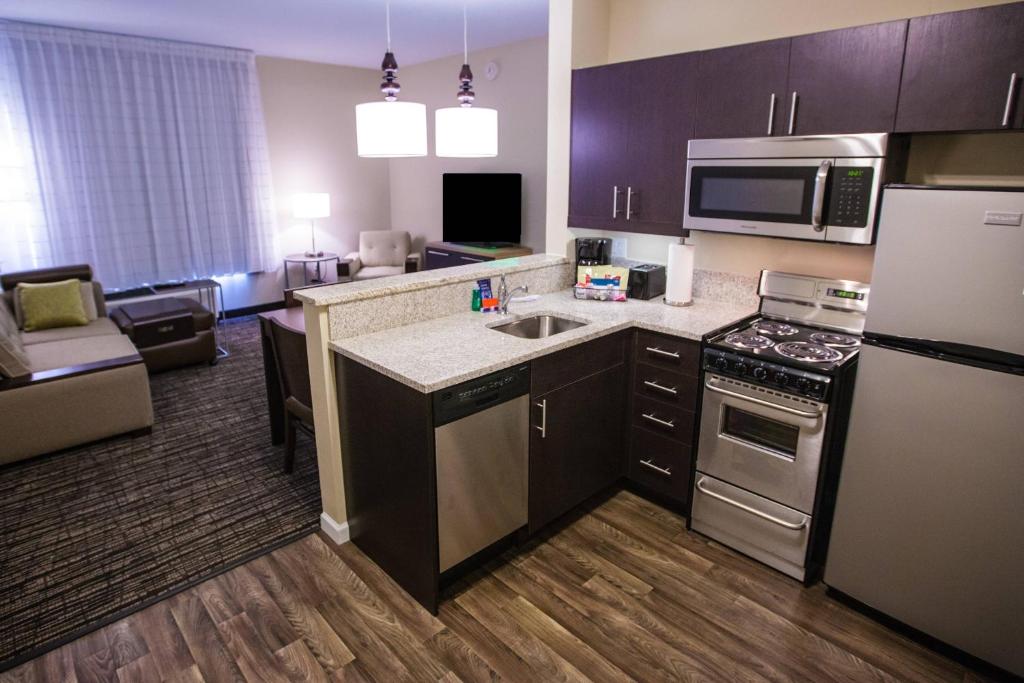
<point x="505" y="296"/>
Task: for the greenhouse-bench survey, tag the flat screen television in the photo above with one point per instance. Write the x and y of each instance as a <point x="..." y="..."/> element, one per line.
<point x="482" y="209"/>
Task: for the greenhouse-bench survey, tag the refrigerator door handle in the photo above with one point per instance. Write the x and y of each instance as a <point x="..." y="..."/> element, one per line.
<point x="954" y="352"/>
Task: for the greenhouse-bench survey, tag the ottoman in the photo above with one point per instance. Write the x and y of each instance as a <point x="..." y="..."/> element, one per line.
<point x="170" y="332"/>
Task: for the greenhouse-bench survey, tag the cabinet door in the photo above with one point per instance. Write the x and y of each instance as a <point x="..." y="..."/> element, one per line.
<point x="846" y="81"/>
<point x="735" y="90"/>
<point x="439" y="258"/>
<point x="664" y="103"/>
<point x="582" y="447"/>
<point x="600" y="113"/>
<point x="957" y="71"/>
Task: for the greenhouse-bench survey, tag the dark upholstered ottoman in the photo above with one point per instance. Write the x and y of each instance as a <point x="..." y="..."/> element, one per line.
<point x="170" y="332"/>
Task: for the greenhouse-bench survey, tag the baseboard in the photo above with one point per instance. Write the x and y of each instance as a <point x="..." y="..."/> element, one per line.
<point x="336" y="532"/>
<point x="252" y="310"/>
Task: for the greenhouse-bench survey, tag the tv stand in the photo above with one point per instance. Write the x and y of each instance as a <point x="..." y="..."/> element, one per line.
<point x="447" y="254"/>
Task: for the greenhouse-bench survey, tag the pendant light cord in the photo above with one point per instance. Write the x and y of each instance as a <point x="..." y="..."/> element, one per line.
<point x="387" y="22"/>
<point x="465" y="36"/>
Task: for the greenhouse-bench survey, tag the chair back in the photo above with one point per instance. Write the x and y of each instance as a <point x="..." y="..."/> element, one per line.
<point x="384" y="247"/>
<point x="292" y="363"/>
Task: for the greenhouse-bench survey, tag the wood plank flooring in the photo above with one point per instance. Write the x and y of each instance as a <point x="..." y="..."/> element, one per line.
<point x="622" y="593"/>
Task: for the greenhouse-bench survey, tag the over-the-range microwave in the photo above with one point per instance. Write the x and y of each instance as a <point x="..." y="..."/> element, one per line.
<point x="825" y="188"/>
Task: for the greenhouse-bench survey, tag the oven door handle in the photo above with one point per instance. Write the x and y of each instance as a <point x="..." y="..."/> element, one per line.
<point x="761" y="402"/>
<point x="818" y="203"/>
<point x="795" y="526"/>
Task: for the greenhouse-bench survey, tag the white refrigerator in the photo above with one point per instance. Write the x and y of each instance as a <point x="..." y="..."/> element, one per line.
<point x="929" y="520"/>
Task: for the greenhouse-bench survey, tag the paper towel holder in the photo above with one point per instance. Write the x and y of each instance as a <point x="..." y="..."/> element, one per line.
<point x="689" y="301"/>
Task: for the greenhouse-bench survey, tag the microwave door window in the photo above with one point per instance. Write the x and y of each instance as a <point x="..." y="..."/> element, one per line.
<point x="772" y="194"/>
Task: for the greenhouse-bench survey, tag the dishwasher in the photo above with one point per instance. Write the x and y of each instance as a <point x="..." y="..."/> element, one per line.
<point x="481" y="447"/>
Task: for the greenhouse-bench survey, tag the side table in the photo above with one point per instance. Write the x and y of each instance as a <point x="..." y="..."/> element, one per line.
<point x="305" y="260"/>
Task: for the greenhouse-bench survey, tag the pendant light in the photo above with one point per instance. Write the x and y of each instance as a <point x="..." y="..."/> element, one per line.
<point x="465" y="130"/>
<point x="391" y="128"/>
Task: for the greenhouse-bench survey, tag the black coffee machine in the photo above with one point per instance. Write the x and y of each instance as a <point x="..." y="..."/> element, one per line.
<point x="593" y="251"/>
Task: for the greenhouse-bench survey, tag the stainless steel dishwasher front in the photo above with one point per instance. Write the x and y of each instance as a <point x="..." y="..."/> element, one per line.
<point x="481" y="442"/>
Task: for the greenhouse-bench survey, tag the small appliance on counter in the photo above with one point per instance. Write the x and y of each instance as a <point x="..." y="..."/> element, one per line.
<point x="593" y="251"/>
<point x="646" y="281"/>
<point x="775" y="405"/>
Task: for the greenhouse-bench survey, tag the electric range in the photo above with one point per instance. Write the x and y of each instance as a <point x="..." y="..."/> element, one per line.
<point x="777" y="389"/>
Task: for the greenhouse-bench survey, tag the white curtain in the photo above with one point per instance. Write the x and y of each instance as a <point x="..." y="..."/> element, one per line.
<point x="145" y="158"/>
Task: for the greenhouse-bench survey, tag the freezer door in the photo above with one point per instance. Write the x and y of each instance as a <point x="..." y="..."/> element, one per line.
<point x="929" y="521"/>
<point x="942" y="273"/>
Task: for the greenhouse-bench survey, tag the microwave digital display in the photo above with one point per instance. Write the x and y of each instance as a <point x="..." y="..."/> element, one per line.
<point x="845" y="294"/>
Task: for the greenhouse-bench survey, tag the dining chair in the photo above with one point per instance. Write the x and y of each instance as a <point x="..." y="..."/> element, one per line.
<point x="293" y="370"/>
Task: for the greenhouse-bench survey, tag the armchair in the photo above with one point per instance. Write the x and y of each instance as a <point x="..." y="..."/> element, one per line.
<point x="381" y="253"/>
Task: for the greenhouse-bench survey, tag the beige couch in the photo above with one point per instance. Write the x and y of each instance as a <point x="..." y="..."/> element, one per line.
<point x="66" y="386"/>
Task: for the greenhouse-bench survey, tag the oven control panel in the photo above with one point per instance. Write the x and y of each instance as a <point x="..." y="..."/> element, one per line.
<point x="771" y="375"/>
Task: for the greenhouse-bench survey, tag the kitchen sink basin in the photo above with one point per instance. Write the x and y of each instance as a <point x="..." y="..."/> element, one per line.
<point x="538" y="326"/>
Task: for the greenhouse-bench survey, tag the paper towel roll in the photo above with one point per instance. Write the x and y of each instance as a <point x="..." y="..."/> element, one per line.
<point x="679" y="275"/>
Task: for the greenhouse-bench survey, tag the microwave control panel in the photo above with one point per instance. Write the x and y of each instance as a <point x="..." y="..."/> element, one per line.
<point x="851" y="196"/>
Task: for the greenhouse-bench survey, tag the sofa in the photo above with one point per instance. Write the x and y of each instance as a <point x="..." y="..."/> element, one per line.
<point x="381" y="253"/>
<point x="66" y="386"/>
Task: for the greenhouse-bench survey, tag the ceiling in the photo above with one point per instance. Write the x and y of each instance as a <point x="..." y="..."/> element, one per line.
<point x="349" y="32"/>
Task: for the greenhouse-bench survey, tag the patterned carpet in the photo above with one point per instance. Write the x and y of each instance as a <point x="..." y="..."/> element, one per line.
<point x="89" y="534"/>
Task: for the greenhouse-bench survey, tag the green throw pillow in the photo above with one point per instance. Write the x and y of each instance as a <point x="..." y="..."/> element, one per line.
<point x="51" y="304"/>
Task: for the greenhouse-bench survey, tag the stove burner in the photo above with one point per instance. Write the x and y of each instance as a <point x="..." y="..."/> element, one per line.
<point x="776" y="328"/>
<point x="748" y="340"/>
<point x="808" y="352"/>
<point x="843" y="341"/>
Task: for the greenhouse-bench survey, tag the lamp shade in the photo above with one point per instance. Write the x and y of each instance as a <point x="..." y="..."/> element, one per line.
<point x="466" y="132"/>
<point x="391" y="129"/>
<point x="311" y="205"/>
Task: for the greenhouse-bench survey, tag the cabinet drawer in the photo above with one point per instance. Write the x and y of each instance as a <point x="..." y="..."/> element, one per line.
<point x="666" y="385"/>
<point x="662" y="418"/>
<point x="564" y="367"/>
<point x="660" y="350"/>
<point x="660" y="464"/>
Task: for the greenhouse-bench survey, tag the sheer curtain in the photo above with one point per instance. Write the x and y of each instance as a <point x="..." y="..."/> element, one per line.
<point x="150" y="159"/>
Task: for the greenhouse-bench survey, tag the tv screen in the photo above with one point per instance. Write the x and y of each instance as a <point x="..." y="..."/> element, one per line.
<point x="482" y="209"/>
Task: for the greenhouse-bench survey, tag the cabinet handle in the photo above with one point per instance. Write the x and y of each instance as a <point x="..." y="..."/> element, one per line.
<point x="792" y="113"/>
<point x="1008" y="109"/>
<point x="662" y="352"/>
<point x="470" y="258"/>
<point x="771" y="113"/>
<point x="629" y="202"/>
<point x="615" y="201"/>
<point x="661" y="387"/>
<point x="437" y="253"/>
<point x="667" y="471"/>
<point x="543" y="428"/>
<point x="651" y="417"/>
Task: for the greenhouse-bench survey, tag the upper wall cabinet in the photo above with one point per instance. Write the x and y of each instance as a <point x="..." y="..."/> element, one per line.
<point x="845" y="81"/>
<point x="741" y="90"/>
<point x="962" y="71"/>
<point x="630" y="126"/>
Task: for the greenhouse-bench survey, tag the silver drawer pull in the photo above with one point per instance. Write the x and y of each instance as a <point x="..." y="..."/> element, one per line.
<point x="667" y="471"/>
<point x="1008" y="109"/>
<point x="662" y="352"/>
<point x="437" y="253"/>
<point x="761" y="402"/>
<point x="657" y="420"/>
<point x="470" y="258"/>
<point x="754" y="511"/>
<point x="543" y="428"/>
<point x="660" y="387"/>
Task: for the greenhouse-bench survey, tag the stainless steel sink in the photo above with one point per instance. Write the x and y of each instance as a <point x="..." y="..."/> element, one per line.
<point x="538" y="326"/>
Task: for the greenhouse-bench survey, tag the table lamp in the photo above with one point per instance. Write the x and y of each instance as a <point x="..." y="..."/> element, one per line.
<point x="312" y="205"/>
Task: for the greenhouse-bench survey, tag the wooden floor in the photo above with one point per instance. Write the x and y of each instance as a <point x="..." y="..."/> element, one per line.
<point x="622" y="593"/>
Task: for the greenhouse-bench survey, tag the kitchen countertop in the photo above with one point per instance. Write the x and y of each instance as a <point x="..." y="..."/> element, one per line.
<point x="439" y="353"/>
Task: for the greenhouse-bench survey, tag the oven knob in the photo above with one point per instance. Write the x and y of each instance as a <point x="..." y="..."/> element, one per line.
<point x="740" y="368"/>
<point x="721" y="363"/>
<point x="760" y="373"/>
<point x="781" y="378"/>
<point x="801" y="384"/>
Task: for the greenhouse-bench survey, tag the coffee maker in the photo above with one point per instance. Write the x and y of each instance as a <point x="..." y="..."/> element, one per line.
<point x="593" y="251"/>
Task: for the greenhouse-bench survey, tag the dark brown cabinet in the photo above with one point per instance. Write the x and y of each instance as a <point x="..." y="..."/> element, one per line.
<point x="845" y="81"/>
<point x="741" y="90"/>
<point x="578" y="426"/>
<point x="962" y="71"/>
<point x="630" y="126"/>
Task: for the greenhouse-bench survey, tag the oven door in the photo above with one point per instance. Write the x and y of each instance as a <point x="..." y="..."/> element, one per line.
<point x="761" y="440"/>
<point x="770" y="197"/>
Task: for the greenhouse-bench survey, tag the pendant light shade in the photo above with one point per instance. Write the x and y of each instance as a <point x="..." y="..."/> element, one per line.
<point x="466" y="131"/>
<point x="391" y="128"/>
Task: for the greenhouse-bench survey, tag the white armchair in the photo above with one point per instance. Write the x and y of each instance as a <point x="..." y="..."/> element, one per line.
<point x="381" y="253"/>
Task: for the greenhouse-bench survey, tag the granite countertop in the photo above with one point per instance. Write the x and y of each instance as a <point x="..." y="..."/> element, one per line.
<point x="438" y="353"/>
<point x="408" y="282"/>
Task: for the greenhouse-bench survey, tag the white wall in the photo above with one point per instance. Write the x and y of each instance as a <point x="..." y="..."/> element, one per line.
<point x="519" y="94"/>
<point x="637" y="29"/>
<point x="311" y="132"/>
